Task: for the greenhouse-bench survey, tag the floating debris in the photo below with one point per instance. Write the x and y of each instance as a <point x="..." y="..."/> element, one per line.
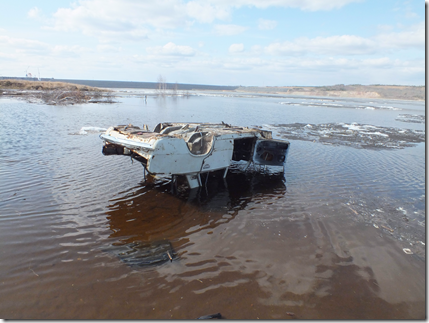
<point x="388" y="229"/>
<point x="144" y="253"/>
<point x="210" y="317"/>
<point x="407" y="251"/>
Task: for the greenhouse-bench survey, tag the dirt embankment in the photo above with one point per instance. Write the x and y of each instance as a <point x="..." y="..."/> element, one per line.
<point x="54" y="93"/>
<point x="399" y="92"/>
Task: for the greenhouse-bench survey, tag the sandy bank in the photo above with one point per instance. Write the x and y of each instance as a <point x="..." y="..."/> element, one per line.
<point x="398" y="92"/>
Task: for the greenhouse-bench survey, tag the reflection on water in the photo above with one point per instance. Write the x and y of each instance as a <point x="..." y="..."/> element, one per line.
<point x="159" y="216"/>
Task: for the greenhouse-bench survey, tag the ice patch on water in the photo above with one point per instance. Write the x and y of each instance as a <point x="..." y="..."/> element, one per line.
<point x="349" y="105"/>
<point x="377" y="134"/>
<point x="411" y="118"/>
<point x="333" y="104"/>
<point x="89" y="129"/>
<point x="86" y="130"/>
<point x="353" y="134"/>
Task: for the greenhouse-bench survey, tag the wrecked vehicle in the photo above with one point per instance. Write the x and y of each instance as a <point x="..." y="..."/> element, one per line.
<point x="190" y="149"/>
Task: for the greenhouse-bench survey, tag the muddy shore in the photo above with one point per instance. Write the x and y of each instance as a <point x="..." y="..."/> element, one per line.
<point x="54" y="93"/>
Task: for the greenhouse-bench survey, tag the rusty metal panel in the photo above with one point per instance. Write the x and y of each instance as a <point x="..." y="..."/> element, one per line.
<point x="194" y="148"/>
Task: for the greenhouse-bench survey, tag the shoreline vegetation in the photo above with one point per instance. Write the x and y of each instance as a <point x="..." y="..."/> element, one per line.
<point x="67" y="93"/>
<point x="54" y="93"/>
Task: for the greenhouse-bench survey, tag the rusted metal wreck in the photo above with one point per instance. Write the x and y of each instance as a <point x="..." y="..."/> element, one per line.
<point x="190" y="149"/>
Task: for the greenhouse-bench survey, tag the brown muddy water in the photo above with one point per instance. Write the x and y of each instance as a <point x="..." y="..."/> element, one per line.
<point x="339" y="235"/>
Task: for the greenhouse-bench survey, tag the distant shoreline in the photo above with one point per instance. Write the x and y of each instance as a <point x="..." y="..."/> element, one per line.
<point x="396" y="92"/>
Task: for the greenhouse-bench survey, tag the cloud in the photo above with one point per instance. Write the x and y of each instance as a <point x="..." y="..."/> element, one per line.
<point x="206" y="13"/>
<point x="35" y="13"/>
<point x="22" y="45"/>
<point x="414" y="37"/>
<point x="333" y="45"/>
<point x="229" y="30"/>
<point x="126" y="19"/>
<point x="171" y="49"/>
<point x="236" y="48"/>
<point x="264" y="24"/>
<point x="69" y="51"/>
<point x="135" y="20"/>
<point x="308" y="5"/>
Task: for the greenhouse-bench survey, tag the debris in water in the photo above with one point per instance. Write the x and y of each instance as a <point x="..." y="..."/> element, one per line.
<point x="210" y="316"/>
<point x="407" y="251"/>
<point x="389" y="229"/>
<point x="142" y="254"/>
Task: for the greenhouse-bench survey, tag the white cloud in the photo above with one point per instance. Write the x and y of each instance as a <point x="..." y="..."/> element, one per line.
<point x="236" y="48"/>
<point x="120" y="19"/>
<point x="34" y="13"/>
<point x="22" y="45"/>
<point x="134" y="20"/>
<point x="264" y="24"/>
<point x="333" y="45"/>
<point x="309" y="5"/>
<point x="205" y="12"/>
<point x="69" y="51"/>
<point x="414" y="37"/>
<point x="229" y="30"/>
<point x="171" y="49"/>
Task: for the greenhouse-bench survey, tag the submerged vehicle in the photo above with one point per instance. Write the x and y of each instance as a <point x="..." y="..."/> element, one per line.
<point x="190" y="149"/>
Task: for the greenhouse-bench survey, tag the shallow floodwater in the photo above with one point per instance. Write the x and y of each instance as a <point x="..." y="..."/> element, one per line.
<point x="339" y="235"/>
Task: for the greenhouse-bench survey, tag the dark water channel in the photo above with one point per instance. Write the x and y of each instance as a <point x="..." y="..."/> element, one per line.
<point x="341" y="235"/>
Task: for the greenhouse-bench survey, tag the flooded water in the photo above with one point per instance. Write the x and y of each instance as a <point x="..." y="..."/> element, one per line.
<point x="339" y="235"/>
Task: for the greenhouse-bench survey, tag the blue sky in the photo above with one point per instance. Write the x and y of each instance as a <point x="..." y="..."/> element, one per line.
<point x="224" y="42"/>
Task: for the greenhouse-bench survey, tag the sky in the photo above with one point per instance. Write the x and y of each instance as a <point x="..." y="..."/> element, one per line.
<point x="216" y="42"/>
